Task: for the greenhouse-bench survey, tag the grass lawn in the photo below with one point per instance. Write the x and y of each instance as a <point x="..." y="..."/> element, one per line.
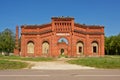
<point x="26" y="58"/>
<point x="107" y="62"/>
<point x="5" y="64"/>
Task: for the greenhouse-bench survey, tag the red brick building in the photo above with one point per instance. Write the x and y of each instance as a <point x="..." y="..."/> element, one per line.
<point x="61" y="37"/>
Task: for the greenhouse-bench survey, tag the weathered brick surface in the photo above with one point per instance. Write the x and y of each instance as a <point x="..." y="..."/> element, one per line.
<point x="62" y="27"/>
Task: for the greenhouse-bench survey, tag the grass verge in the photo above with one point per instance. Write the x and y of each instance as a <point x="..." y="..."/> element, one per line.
<point x="26" y="58"/>
<point x="108" y="62"/>
<point x="5" y="64"/>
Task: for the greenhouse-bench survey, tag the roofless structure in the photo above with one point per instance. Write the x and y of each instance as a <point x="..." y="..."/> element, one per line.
<point x="60" y="37"/>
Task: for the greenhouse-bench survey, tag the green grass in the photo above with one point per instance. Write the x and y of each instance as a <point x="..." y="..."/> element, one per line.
<point x="26" y="58"/>
<point x="107" y="62"/>
<point x="37" y="59"/>
<point x="5" y="64"/>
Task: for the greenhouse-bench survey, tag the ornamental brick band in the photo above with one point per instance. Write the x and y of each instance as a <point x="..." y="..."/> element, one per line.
<point x="60" y="37"/>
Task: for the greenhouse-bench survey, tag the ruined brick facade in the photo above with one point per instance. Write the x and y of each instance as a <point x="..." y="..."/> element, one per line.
<point x="62" y="37"/>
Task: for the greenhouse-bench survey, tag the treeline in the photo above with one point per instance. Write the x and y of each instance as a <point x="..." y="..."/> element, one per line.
<point x="112" y="45"/>
<point x="7" y="41"/>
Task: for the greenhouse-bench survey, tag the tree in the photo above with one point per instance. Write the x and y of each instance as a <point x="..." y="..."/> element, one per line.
<point x="0" y="42"/>
<point x="7" y="41"/>
<point x="112" y="45"/>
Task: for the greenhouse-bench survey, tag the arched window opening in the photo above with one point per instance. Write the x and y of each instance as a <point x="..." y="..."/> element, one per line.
<point x="94" y="47"/>
<point x="61" y="40"/>
<point x="45" y="47"/>
<point x="80" y="47"/>
<point x="30" y="47"/>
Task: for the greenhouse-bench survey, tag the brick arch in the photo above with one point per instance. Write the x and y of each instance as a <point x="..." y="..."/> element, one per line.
<point x="95" y="41"/>
<point x="80" y="41"/>
<point x="63" y="38"/>
<point x="30" y="41"/>
<point x="62" y="46"/>
<point x="45" y="40"/>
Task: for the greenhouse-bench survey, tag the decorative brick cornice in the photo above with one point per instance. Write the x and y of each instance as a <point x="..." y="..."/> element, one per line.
<point x="88" y="26"/>
<point x="35" y="33"/>
<point x="36" y="26"/>
<point x="82" y="32"/>
<point x="90" y="33"/>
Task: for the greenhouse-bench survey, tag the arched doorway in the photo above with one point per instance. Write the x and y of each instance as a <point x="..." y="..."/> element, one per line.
<point x="94" y="47"/>
<point x="62" y="51"/>
<point x="45" y="47"/>
<point x="30" y="47"/>
<point x="80" y="47"/>
<point x="62" y="46"/>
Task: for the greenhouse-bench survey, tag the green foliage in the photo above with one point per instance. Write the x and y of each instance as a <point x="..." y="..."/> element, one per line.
<point x="7" y="41"/>
<point x="109" y="62"/>
<point x="112" y="45"/>
<point x="5" y="64"/>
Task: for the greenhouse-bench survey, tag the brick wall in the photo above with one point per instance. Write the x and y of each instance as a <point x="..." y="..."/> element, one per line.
<point x="63" y="27"/>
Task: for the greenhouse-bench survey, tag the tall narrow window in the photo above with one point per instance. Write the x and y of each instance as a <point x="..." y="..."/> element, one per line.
<point x="79" y="47"/>
<point x="45" y="47"/>
<point x="30" y="47"/>
<point x="94" y="47"/>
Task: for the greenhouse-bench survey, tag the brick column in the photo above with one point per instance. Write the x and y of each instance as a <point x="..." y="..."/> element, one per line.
<point x="16" y="50"/>
<point x="102" y="46"/>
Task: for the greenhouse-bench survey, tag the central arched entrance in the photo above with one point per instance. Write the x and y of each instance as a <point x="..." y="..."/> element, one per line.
<point x="63" y="46"/>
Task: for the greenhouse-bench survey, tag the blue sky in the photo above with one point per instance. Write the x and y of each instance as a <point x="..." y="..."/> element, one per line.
<point x="90" y="12"/>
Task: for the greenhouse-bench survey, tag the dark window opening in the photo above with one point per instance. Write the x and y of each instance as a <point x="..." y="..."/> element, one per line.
<point x="80" y="49"/>
<point x="94" y="49"/>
